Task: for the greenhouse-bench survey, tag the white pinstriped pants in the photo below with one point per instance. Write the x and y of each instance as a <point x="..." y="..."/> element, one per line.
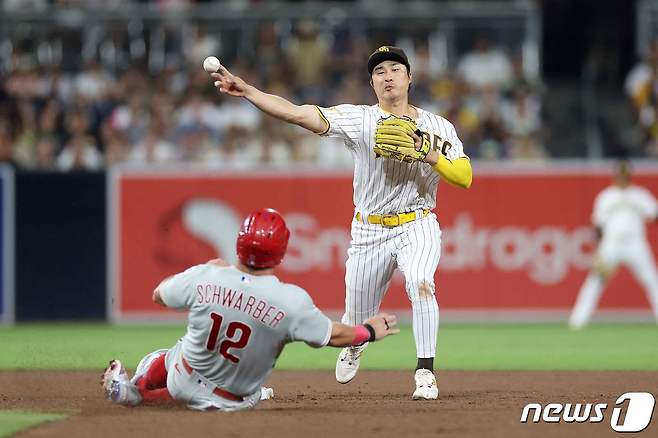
<point x="375" y="251"/>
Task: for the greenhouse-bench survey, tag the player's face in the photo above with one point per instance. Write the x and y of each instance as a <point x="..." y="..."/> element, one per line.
<point x="623" y="175"/>
<point x="390" y="80"/>
<point x="623" y="178"/>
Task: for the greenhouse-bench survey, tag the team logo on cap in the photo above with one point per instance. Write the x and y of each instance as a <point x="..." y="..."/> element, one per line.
<point x="383" y="49"/>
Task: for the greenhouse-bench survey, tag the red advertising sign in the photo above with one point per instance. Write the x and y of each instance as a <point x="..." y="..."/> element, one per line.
<point x="514" y="241"/>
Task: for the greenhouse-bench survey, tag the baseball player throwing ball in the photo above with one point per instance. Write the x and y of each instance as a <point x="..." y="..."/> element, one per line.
<point x="400" y="154"/>
<point x="240" y="318"/>
<point x="620" y="212"/>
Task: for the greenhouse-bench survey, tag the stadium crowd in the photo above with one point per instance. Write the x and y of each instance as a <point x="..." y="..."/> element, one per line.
<point x="641" y="87"/>
<point x="101" y="115"/>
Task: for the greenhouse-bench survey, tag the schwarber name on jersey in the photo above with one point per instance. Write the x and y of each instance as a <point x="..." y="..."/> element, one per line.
<point x="238" y="323"/>
<point x="383" y="185"/>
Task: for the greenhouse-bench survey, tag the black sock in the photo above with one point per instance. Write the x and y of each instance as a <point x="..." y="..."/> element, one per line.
<point x="425" y="363"/>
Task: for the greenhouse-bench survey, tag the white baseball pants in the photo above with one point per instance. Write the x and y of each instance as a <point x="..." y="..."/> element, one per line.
<point x="197" y="391"/>
<point x="375" y="252"/>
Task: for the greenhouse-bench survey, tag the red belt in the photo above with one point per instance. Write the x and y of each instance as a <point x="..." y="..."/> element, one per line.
<point x="217" y="391"/>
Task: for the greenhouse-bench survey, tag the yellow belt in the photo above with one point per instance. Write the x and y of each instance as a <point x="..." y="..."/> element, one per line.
<point x="393" y="220"/>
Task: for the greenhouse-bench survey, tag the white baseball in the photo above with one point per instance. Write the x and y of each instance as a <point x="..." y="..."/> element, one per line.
<point x="211" y="64"/>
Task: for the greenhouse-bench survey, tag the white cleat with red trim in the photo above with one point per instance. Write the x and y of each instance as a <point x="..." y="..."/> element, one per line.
<point x="117" y="385"/>
<point x="144" y="364"/>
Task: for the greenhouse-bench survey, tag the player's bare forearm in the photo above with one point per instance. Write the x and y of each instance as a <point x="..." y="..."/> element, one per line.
<point x="375" y="328"/>
<point x="306" y="116"/>
<point x="342" y="335"/>
<point x="456" y="172"/>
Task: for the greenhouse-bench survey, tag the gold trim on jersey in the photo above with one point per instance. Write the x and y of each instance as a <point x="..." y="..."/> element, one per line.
<point x="325" y="120"/>
<point x="415" y="119"/>
<point x="393" y="220"/>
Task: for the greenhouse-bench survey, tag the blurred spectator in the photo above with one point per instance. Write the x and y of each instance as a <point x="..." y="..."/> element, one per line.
<point x="197" y="146"/>
<point x="45" y="154"/>
<point x="485" y="66"/>
<point x="332" y="153"/>
<point x="352" y="88"/>
<point x="132" y="119"/>
<point x="521" y="118"/>
<point x="50" y="119"/>
<point x="268" y="54"/>
<point x="270" y="146"/>
<point x="309" y="55"/>
<point x="491" y="135"/>
<point x="202" y="46"/>
<point x="465" y="120"/>
<point x="170" y="82"/>
<point x="641" y="75"/>
<point x="80" y="152"/>
<point x="422" y="78"/>
<point x="155" y="148"/>
<point x="6" y="144"/>
<point x="93" y="83"/>
<point x="25" y="141"/>
<point x="519" y="79"/>
<point x="59" y="85"/>
<point x="117" y="149"/>
<point x="641" y="86"/>
<point x="132" y="81"/>
<point x="234" y="152"/>
<point x="25" y="82"/>
<point x="198" y="112"/>
<point x="348" y="52"/>
<point x="240" y="113"/>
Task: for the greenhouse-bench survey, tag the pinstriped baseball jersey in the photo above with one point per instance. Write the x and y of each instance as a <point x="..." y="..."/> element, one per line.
<point x="238" y="323"/>
<point x="384" y="185"/>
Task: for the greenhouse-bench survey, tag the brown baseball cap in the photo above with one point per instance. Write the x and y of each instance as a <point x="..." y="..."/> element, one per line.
<point x="387" y="53"/>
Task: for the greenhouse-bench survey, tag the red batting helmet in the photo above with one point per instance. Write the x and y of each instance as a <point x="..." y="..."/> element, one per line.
<point x="263" y="239"/>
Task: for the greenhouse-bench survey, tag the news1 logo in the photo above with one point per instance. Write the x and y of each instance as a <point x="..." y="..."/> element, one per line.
<point x="637" y="416"/>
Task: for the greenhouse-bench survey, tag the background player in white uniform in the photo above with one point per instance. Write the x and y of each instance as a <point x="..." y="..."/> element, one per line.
<point x="240" y="318"/>
<point x="620" y="212"/>
<point x="392" y="225"/>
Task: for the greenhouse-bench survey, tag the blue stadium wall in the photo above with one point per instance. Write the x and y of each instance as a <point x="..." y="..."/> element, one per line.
<point x="60" y="246"/>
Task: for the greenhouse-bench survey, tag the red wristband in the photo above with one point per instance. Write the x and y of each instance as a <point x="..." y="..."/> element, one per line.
<point x="361" y="335"/>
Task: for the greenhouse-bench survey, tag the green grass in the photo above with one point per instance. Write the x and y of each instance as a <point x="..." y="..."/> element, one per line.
<point x="15" y="421"/>
<point x="466" y="347"/>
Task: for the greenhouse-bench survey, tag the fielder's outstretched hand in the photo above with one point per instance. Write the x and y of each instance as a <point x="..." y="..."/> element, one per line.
<point x="384" y="325"/>
<point x="227" y="83"/>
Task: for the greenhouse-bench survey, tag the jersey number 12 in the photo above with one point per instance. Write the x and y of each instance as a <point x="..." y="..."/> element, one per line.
<point x="231" y="341"/>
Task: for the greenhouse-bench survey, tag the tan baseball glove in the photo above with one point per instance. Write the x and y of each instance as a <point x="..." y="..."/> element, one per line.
<point x="393" y="140"/>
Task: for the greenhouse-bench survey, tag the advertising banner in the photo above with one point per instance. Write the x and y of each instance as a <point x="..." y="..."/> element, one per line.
<point x="518" y="240"/>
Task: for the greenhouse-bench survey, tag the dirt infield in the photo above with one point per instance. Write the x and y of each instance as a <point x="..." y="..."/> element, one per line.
<point x="375" y="404"/>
